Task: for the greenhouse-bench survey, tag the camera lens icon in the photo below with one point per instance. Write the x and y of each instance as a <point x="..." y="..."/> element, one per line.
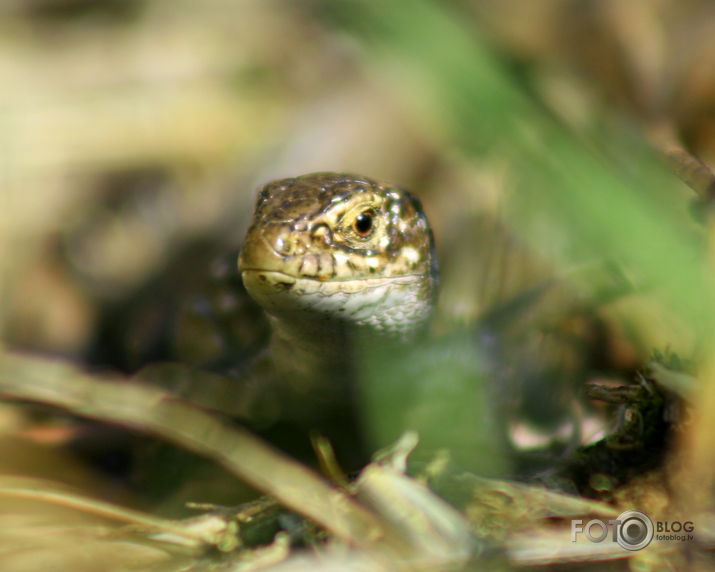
<point x="635" y="531"/>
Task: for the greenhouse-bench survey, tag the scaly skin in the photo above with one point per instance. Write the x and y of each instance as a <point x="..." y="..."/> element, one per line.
<point x="337" y="261"/>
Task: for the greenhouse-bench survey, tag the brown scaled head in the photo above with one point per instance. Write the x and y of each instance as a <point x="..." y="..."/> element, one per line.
<point x="328" y="233"/>
<point x="330" y="226"/>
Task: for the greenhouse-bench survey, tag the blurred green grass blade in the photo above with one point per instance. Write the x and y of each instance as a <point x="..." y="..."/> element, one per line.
<point x="597" y="207"/>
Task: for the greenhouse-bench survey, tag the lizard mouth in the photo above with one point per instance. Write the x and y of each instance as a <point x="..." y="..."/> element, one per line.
<point x="269" y="277"/>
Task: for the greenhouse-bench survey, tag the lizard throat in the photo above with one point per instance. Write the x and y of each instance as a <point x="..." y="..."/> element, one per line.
<point x="393" y="307"/>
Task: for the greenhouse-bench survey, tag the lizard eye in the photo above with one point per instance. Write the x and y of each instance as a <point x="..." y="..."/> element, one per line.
<point x="363" y="223"/>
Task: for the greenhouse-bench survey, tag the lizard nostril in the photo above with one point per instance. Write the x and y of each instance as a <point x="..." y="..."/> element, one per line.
<point x="321" y="233"/>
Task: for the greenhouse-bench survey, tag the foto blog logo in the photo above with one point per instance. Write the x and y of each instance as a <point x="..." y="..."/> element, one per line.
<point x="632" y="530"/>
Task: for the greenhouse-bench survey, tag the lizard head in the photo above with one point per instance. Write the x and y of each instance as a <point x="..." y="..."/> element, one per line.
<point x="330" y="246"/>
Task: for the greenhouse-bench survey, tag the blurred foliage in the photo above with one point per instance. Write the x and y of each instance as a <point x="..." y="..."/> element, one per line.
<point x="133" y="134"/>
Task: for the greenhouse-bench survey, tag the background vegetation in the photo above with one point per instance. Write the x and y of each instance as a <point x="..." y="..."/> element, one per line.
<point x="553" y="147"/>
